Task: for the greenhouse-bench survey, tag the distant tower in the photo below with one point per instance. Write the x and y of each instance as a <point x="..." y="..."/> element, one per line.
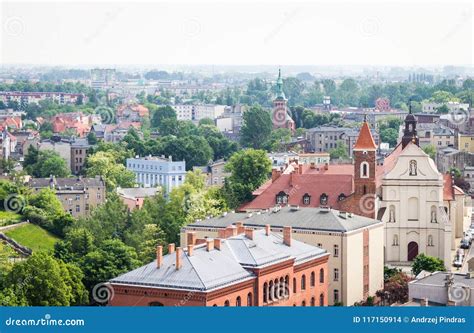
<point x="364" y="161"/>
<point x="281" y="117"/>
<point x="410" y="133"/>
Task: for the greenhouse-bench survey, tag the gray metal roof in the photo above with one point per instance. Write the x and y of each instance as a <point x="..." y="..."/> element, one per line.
<point x="317" y="219"/>
<point x="207" y="270"/>
<point x="440" y="279"/>
<point x="66" y="183"/>
<point x="138" y="192"/>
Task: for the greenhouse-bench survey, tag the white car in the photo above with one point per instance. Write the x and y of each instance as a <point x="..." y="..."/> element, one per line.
<point x="458" y="261"/>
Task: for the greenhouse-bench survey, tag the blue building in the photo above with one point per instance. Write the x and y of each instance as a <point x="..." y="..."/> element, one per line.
<point x="154" y="171"/>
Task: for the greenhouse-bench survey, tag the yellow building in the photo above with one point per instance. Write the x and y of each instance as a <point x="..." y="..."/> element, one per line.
<point x="466" y="143"/>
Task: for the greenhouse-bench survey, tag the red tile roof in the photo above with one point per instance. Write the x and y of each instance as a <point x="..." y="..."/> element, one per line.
<point x="296" y="185"/>
<point x="365" y="140"/>
<point x="448" y="192"/>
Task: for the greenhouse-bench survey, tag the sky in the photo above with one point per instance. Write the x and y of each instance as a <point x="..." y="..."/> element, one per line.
<point x="401" y="33"/>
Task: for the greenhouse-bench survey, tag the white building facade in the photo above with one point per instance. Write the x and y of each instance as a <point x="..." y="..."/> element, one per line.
<point x="154" y="171"/>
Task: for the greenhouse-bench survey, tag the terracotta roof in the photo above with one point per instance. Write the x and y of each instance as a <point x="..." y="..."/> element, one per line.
<point x="365" y="140"/>
<point x="388" y="164"/>
<point x="458" y="190"/>
<point x="448" y="193"/>
<point x="296" y="186"/>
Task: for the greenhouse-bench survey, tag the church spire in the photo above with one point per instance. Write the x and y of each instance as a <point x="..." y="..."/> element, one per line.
<point x="410" y="133"/>
<point x="279" y="84"/>
<point x="365" y="141"/>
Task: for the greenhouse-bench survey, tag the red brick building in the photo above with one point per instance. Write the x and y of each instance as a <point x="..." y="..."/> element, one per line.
<point x="243" y="267"/>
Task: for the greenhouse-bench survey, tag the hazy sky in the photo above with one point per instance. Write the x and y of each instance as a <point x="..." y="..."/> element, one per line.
<point x="246" y="33"/>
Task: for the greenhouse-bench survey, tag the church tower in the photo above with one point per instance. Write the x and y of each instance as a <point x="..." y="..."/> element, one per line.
<point x="409" y="133"/>
<point x="364" y="158"/>
<point x="280" y="116"/>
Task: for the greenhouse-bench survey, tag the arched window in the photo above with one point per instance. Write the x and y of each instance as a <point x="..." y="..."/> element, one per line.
<point x="303" y="303"/>
<point x="321" y="299"/>
<point x="313" y="301"/>
<point x="364" y="170"/>
<point x="336" y="295"/>
<point x="430" y="240"/>
<point x="391" y="217"/>
<point x="276" y="288"/>
<point x="413" y="168"/>
<point x="395" y="240"/>
<point x="341" y="197"/>
<point x="227" y="303"/>
<point x="155" y="304"/>
<point x="215" y="305"/>
<point x="249" y="299"/>
<point x="321" y="275"/>
<point x="271" y="289"/>
<point x="323" y="199"/>
<point x="303" y="282"/>
<point x="294" y="285"/>
<point x="281" y="288"/>
<point x="434" y="217"/>
<point x="336" y="274"/>
<point x="238" y="301"/>
<point x="287" y="286"/>
<point x="312" y="279"/>
<point x="265" y="292"/>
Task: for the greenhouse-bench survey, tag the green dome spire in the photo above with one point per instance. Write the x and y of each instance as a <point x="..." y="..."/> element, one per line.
<point x="279" y="84"/>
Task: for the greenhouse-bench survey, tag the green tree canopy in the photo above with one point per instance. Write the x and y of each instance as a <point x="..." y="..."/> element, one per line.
<point x="256" y="128"/>
<point x="423" y="262"/>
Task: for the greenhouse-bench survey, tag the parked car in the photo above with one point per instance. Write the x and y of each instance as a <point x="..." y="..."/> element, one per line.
<point x="465" y="243"/>
<point x="458" y="261"/>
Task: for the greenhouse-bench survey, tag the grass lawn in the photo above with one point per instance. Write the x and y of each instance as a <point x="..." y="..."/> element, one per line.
<point x="7" y="218"/>
<point x="33" y="237"/>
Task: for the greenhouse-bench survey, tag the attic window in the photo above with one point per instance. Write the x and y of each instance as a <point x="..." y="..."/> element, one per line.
<point x="306" y="199"/>
<point x="323" y="199"/>
<point x="341" y="197"/>
<point x="281" y="198"/>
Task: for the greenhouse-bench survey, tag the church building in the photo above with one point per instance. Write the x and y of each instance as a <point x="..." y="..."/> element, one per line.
<point x="281" y="117"/>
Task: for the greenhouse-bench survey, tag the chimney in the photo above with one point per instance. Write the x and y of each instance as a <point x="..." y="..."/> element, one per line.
<point x="190" y="250"/>
<point x="191" y="237"/>
<point x="240" y="228"/>
<point x="210" y="245"/>
<point x="221" y="233"/>
<point x="267" y="229"/>
<point x="326" y="166"/>
<point x="178" y="257"/>
<point x="287" y="236"/>
<point x="424" y="302"/>
<point x="300" y="169"/>
<point x="275" y="174"/>
<point x="230" y="231"/>
<point x="171" y="248"/>
<point x="249" y="233"/>
<point x="217" y="243"/>
<point x="159" y="256"/>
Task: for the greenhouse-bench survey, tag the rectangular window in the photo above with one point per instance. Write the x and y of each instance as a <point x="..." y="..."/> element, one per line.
<point x="336" y="274"/>
<point x="336" y="251"/>
<point x="78" y="208"/>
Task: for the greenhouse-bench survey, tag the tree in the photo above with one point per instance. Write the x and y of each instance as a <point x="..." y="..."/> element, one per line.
<point x="256" y="128"/>
<point x="430" y="150"/>
<point x="45" y="163"/>
<point x="206" y="121"/>
<point x="249" y="169"/>
<point x="395" y="289"/>
<point x="423" y="262"/>
<point x="111" y="259"/>
<point x="44" y="281"/>
<point x="162" y="113"/>
<point x="340" y="152"/>
<point x="389" y="135"/>
<point x="107" y="165"/>
<point x="77" y="243"/>
<point x="92" y="138"/>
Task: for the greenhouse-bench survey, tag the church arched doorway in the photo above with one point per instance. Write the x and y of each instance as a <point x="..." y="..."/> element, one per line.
<point x="412" y="250"/>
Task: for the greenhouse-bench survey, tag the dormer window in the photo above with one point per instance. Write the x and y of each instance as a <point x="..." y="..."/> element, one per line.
<point x="306" y="199"/>
<point x="341" y="197"/>
<point x="281" y="198"/>
<point x="323" y="199"/>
